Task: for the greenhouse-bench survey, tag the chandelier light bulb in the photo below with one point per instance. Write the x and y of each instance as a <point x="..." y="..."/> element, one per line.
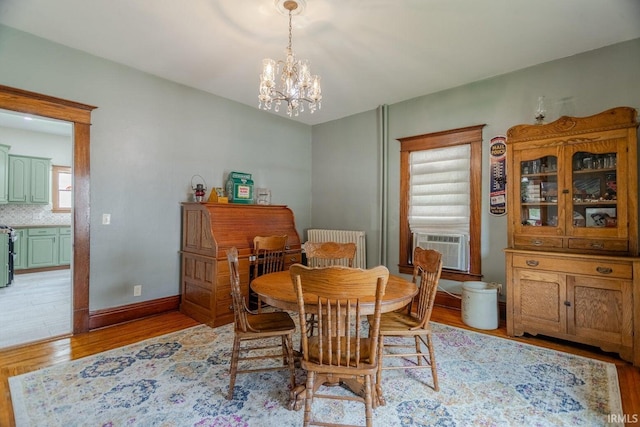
<point x="268" y="71"/>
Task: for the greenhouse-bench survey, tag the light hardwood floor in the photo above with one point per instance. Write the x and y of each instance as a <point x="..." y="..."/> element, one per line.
<point x="36" y="306"/>
<point x="19" y="360"/>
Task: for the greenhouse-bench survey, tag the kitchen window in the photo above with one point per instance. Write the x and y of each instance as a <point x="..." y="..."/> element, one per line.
<point x="440" y="194"/>
<point x="61" y="191"/>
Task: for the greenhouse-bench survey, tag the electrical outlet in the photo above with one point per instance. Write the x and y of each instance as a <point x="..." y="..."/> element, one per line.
<point x="137" y="290"/>
<point x="106" y="219"/>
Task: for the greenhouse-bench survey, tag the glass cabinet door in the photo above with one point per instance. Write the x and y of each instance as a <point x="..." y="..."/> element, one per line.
<point x="539" y="192"/>
<point x="594" y="200"/>
<point x="573" y="185"/>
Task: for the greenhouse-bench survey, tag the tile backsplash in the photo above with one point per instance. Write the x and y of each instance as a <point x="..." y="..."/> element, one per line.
<point x="14" y="215"/>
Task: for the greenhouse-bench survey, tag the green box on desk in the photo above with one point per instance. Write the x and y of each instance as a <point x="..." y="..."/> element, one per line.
<point x="240" y="188"/>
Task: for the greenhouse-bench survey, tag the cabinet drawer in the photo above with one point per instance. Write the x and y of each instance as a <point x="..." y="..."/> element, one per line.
<point x="594" y="267"/>
<point x="538" y="242"/>
<point x="65" y="231"/>
<point x="599" y="244"/>
<point x="44" y="231"/>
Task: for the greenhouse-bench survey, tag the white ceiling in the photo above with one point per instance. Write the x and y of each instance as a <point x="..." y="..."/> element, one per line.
<point x="33" y="123"/>
<point x="368" y="52"/>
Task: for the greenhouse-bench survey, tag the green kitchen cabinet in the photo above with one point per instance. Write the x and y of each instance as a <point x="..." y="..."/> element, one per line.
<point x="42" y="247"/>
<point x="64" y="251"/>
<point x="19" y="178"/>
<point x="37" y="247"/>
<point x="20" y="249"/>
<point x="29" y="179"/>
<point x="40" y="180"/>
<point x="4" y="173"/>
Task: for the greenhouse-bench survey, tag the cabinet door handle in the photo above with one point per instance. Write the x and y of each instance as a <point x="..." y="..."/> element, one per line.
<point x="567" y="303"/>
<point x="597" y="245"/>
<point x="532" y="263"/>
<point x="537" y="242"/>
<point x="604" y="270"/>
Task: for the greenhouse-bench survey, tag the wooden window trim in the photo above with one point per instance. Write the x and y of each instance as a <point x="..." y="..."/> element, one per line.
<point x="471" y="135"/>
<point x="55" y="191"/>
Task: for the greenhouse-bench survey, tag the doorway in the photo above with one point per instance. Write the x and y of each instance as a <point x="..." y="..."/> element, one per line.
<point x="80" y="116"/>
<point x="37" y="304"/>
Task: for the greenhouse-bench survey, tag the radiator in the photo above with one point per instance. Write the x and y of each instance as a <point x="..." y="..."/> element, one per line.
<point x="343" y="236"/>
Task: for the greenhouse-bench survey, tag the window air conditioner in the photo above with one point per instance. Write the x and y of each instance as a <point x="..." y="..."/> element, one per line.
<point x="453" y="247"/>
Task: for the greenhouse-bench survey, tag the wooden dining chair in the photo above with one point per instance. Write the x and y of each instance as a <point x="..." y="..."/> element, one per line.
<point x="324" y="254"/>
<point x="412" y="325"/>
<point x="250" y="326"/>
<point x="268" y="254"/>
<point x="341" y="349"/>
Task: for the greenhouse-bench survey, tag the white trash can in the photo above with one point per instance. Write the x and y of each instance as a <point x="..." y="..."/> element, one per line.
<point x="480" y="304"/>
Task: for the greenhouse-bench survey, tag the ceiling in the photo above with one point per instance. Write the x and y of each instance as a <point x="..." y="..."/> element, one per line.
<point x="368" y="52"/>
<point x="33" y="123"/>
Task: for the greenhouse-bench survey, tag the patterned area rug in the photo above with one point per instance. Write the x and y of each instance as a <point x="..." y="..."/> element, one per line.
<point x="181" y="379"/>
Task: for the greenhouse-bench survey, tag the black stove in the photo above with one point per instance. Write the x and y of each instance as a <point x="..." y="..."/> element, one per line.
<point x="12" y="238"/>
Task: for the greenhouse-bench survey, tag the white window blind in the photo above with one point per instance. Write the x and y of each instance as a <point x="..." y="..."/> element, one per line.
<point x="439" y="190"/>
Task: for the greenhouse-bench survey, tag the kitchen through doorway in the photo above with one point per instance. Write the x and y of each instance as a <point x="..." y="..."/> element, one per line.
<point x="37" y="305"/>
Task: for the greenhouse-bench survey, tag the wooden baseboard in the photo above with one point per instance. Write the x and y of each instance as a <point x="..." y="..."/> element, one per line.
<point x="445" y="300"/>
<point x="126" y="313"/>
<point x="41" y="269"/>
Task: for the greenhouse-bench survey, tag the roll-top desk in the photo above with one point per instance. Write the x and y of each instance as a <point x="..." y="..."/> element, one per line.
<point x="208" y="230"/>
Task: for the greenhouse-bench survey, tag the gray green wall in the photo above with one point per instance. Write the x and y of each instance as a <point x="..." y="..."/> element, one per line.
<point x="580" y="85"/>
<point x="149" y="136"/>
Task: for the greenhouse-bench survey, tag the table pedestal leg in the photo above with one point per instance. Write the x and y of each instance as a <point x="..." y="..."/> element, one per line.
<point x="356" y="385"/>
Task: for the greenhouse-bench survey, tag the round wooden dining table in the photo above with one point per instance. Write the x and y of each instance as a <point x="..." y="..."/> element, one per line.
<point x="276" y="289"/>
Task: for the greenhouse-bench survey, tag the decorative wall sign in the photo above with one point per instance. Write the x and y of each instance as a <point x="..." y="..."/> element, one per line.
<point x="497" y="165"/>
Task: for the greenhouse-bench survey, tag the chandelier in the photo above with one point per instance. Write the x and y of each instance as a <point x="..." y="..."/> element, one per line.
<point x="295" y="84"/>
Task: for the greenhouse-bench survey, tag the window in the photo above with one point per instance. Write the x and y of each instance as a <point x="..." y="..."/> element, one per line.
<point x="61" y="184"/>
<point x="440" y="193"/>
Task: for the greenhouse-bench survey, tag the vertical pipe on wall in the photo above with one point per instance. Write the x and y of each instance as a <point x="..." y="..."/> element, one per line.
<point x="383" y="144"/>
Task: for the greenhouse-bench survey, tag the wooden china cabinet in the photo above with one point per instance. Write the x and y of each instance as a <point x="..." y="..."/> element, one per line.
<point x="572" y="262"/>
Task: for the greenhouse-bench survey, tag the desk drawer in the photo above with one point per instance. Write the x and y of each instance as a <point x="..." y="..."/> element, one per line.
<point x="293" y="257"/>
<point x="224" y="306"/>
